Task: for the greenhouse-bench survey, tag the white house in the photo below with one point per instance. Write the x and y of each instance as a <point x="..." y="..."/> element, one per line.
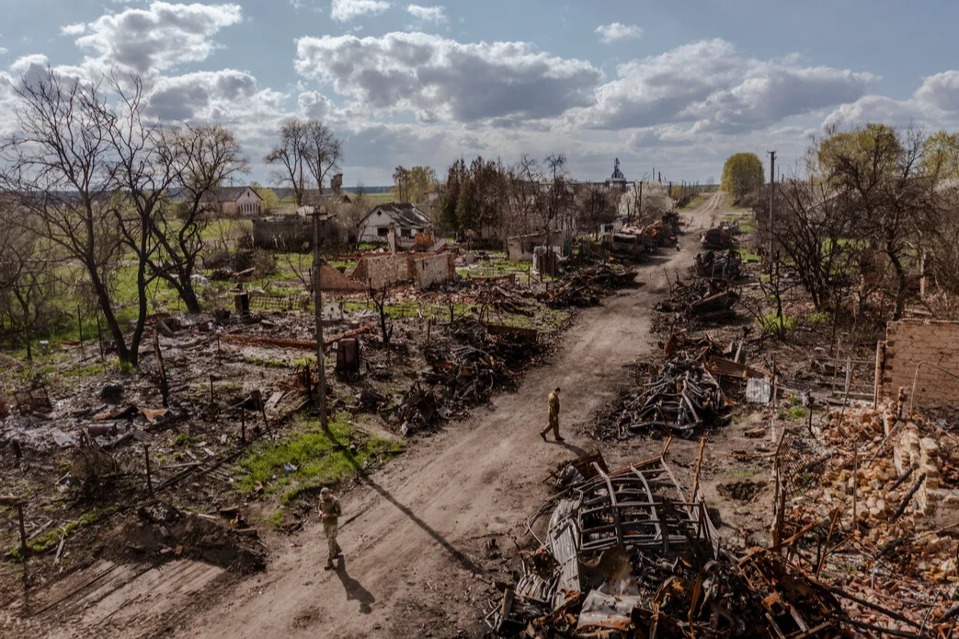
<point x="233" y="201"/>
<point x="405" y="218"/>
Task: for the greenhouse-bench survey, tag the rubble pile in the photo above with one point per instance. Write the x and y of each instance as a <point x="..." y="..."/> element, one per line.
<point x="719" y="238"/>
<point x="586" y="286"/>
<point x="715" y="265"/>
<point x="884" y="498"/>
<point x="683" y="398"/>
<point x="628" y="554"/>
<point x="704" y="300"/>
<point x="465" y="371"/>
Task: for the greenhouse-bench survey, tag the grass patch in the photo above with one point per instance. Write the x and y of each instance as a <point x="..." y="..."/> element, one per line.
<point x="746" y="473"/>
<point x="746" y="222"/>
<point x="694" y="202"/>
<point x="309" y="458"/>
<point x="794" y="412"/>
<point x="182" y="440"/>
<point x="772" y="324"/>
<point x="818" y="318"/>
<point x="50" y="539"/>
<point x="747" y="255"/>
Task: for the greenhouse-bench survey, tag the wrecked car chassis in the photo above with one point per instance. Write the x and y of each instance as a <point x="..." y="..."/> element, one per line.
<point x="628" y="554"/>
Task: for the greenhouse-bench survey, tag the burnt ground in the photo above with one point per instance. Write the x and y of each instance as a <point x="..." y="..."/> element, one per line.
<point x="428" y="537"/>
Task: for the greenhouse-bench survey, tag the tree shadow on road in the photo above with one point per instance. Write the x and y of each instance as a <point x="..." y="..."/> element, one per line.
<point x="354" y="589"/>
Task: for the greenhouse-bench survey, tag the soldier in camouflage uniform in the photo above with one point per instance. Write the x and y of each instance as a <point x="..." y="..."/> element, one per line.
<point x="552" y="403"/>
<point x="330" y="512"/>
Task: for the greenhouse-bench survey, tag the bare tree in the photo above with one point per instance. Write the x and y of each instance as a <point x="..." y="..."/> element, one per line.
<point x="143" y="172"/>
<point x="812" y="230"/>
<point x="307" y="149"/>
<point x="559" y="195"/>
<point x="355" y="212"/>
<point x="28" y="284"/>
<point x="323" y="152"/>
<point x="61" y="165"/>
<point x="203" y="158"/>
<point x="878" y="173"/>
<point x="289" y="156"/>
<point x="594" y="208"/>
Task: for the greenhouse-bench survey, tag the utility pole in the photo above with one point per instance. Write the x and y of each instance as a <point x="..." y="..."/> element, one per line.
<point x="772" y="199"/>
<point x="318" y="303"/>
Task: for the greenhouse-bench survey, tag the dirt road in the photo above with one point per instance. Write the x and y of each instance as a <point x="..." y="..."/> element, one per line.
<point x="415" y="534"/>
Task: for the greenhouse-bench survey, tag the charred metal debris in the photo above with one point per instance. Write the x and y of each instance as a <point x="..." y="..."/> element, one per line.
<point x="695" y="388"/>
<point x="628" y="553"/>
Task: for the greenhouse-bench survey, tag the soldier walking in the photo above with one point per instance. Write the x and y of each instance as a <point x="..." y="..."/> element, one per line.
<point x="330" y="513"/>
<point x="552" y="403"/>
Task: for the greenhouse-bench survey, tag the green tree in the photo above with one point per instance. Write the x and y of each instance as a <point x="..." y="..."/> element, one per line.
<point x="878" y="174"/>
<point x="268" y="195"/>
<point x="940" y="156"/>
<point x="742" y="176"/>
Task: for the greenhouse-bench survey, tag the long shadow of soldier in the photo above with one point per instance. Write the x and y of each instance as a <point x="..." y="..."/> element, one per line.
<point x="354" y="589"/>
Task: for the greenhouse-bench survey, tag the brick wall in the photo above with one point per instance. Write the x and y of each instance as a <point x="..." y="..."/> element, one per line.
<point x="380" y="272"/>
<point x="434" y="269"/>
<point x="909" y="342"/>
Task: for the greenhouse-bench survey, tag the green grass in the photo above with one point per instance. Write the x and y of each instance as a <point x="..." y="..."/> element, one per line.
<point x="182" y="440"/>
<point x="746" y="221"/>
<point x="770" y="323"/>
<point x="50" y="539"/>
<point x="694" y="202"/>
<point x="319" y="458"/>
<point x="747" y="473"/>
<point x="818" y="318"/>
<point x="225" y="228"/>
<point x="794" y="412"/>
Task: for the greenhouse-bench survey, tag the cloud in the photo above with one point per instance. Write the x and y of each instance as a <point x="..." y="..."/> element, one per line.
<point x="707" y="86"/>
<point x="73" y="29"/>
<point x="156" y="38"/>
<point x="428" y="14"/>
<point x="934" y="104"/>
<point x="609" y="33"/>
<point x="24" y="64"/>
<point x="226" y="96"/>
<point x="346" y="10"/>
<point x="437" y="78"/>
<point x="940" y="92"/>
<point x="315" y="106"/>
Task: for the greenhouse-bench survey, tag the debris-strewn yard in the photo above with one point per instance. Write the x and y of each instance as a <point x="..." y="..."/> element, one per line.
<point x="744" y="477"/>
<point x="214" y="441"/>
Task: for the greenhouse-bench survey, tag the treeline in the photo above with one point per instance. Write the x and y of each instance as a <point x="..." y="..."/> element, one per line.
<point x="871" y="219"/>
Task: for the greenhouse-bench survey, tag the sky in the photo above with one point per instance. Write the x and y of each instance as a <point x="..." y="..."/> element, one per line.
<point x="672" y="87"/>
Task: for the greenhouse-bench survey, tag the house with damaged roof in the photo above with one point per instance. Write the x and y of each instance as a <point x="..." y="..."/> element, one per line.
<point x="406" y="219"/>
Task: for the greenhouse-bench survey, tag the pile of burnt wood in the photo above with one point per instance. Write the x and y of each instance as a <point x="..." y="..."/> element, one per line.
<point x="683" y="398"/>
<point x="719" y="265"/>
<point x="480" y="359"/>
<point x="628" y="554"/>
<point x="703" y="299"/>
<point x="588" y="285"/>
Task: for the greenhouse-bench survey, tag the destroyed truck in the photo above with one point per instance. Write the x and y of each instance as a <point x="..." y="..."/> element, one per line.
<point x="630" y="245"/>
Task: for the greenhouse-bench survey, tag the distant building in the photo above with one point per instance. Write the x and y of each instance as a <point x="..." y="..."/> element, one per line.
<point x="406" y="219"/>
<point x="617" y="181"/>
<point x="237" y="201"/>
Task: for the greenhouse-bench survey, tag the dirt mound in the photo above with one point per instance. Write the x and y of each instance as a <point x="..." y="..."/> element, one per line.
<point x="161" y="533"/>
<point x="744" y="490"/>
